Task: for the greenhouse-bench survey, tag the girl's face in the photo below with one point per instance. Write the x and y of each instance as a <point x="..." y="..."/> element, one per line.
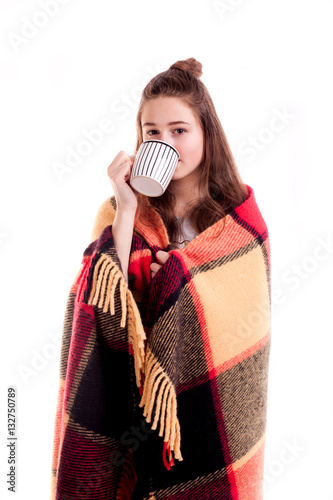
<point x="171" y="120"/>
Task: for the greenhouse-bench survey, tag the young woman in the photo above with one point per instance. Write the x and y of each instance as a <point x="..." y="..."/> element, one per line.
<point x="167" y="331"/>
<point x="177" y="108"/>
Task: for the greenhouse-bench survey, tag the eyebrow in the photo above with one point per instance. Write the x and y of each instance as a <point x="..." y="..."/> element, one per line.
<point x="150" y="124"/>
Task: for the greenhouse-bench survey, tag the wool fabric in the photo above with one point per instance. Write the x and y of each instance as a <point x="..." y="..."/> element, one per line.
<point x="163" y="381"/>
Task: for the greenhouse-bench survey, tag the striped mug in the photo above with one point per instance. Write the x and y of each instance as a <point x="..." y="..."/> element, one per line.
<point x="153" y="167"/>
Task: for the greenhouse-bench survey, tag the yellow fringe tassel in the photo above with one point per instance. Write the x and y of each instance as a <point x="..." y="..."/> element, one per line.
<point x="158" y="389"/>
<point x="158" y="383"/>
<point x="104" y="282"/>
<point x="136" y="336"/>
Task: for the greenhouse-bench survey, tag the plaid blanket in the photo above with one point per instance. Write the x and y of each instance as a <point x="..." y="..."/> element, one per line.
<point x="163" y="382"/>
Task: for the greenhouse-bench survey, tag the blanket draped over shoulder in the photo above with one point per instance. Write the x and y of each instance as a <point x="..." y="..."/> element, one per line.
<point x="163" y="381"/>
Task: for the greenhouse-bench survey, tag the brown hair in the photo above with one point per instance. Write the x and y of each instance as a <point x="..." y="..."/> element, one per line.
<point x="220" y="182"/>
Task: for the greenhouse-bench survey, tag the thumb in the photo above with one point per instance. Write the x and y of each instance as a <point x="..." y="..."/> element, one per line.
<point x="162" y="256"/>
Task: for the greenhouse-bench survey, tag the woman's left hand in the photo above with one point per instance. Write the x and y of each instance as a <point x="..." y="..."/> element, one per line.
<point x="162" y="257"/>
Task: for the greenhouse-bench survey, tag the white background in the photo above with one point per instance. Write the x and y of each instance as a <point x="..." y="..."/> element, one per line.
<point x="89" y="62"/>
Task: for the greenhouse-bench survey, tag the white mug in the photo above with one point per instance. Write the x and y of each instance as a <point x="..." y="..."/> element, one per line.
<point x="153" y="167"/>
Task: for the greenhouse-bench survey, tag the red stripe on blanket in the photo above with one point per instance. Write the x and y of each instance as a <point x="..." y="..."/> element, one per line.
<point x="249" y="212"/>
<point x="57" y="431"/>
<point x="243" y="355"/>
<point x="249" y="476"/>
<point x="80" y="478"/>
<point x="139" y="267"/>
<point x="83" y="328"/>
<point x="214" y="387"/>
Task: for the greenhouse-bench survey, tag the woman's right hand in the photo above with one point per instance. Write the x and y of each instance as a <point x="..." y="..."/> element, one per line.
<point x="119" y="172"/>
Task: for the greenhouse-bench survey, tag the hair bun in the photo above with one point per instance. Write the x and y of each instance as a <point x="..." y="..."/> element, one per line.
<point x="190" y="65"/>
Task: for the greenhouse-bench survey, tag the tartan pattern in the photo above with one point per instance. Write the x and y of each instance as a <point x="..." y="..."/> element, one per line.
<point x="163" y="382"/>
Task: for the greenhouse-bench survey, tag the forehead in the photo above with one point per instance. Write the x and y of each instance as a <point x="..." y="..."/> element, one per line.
<point x="167" y="109"/>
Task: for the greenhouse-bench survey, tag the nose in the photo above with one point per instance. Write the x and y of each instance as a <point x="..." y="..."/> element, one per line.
<point x="166" y="137"/>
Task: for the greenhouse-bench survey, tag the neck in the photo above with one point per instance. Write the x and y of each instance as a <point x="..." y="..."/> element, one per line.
<point x="185" y="194"/>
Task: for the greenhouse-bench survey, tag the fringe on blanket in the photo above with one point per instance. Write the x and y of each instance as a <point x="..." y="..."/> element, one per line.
<point x="158" y="389"/>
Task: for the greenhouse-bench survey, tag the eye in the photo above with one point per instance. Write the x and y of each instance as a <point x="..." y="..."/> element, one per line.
<point x="152" y="132"/>
<point x="179" y="131"/>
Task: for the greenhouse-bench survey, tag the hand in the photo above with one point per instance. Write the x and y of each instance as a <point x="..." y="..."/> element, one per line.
<point x="162" y="257"/>
<point x="119" y="172"/>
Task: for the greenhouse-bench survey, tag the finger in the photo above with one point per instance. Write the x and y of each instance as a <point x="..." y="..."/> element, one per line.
<point x="155" y="267"/>
<point x="126" y="164"/>
<point x="122" y="154"/>
<point x="162" y="256"/>
<point x="120" y="158"/>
